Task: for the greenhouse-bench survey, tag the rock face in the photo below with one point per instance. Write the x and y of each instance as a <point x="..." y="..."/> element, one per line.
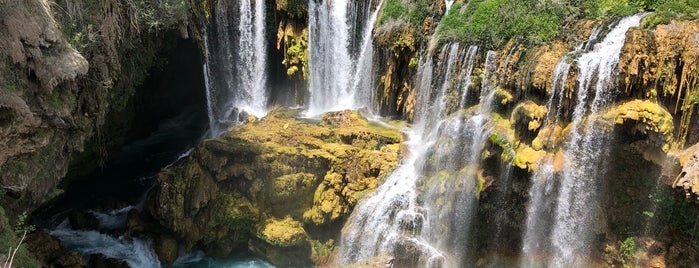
<point x="688" y="179"/>
<point x="280" y="186"/>
<point x="63" y="68"/>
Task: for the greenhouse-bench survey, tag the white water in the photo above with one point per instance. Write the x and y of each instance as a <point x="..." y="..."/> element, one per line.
<point x="234" y="70"/>
<point x="136" y="252"/>
<point x="340" y="77"/>
<point x="542" y="191"/>
<point x="417" y="207"/>
<point x="467" y="69"/>
<point x="577" y="204"/>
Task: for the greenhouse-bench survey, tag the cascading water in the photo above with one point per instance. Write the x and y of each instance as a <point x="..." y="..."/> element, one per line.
<point x="577" y="202"/>
<point x="567" y="235"/>
<point x="425" y="206"/>
<point x="340" y="55"/>
<point x="235" y="64"/>
<point x="542" y="191"/>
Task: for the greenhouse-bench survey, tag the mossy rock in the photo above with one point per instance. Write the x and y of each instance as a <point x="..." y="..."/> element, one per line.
<point x="528" y="158"/>
<point x="284" y="233"/>
<point x="261" y="182"/>
<point x="529" y="114"/>
<point x="649" y="116"/>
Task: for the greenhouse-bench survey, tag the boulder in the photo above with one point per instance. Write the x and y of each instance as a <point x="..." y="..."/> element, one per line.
<point x="83" y="220"/>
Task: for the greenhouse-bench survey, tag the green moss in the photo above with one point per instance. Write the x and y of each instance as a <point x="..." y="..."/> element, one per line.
<point x="503" y="137"/>
<point x="234" y="213"/>
<point x="321" y="252"/>
<point x="62" y="98"/>
<point x="295" y="51"/>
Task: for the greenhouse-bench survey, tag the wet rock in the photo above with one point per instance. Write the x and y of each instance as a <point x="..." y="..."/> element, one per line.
<point x="376" y="262"/>
<point x="134" y="223"/>
<point x="166" y="247"/>
<point x="101" y="261"/>
<point x="72" y="260"/>
<point x="82" y="220"/>
<point x="44" y="246"/>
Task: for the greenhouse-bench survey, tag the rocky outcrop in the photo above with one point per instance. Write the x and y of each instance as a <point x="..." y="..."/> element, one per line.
<point x="279" y="187"/>
<point x="64" y="67"/>
<point x="688" y="179"/>
<point x="661" y="63"/>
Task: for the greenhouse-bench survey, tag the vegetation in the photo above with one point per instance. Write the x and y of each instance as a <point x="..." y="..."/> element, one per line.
<point x="412" y="11"/>
<point x="492" y="22"/>
<point x="11" y="241"/>
<point x="627" y="250"/>
<point x="667" y="10"/>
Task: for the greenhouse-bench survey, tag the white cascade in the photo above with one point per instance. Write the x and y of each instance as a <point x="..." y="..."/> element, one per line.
<point x="340" y="55"/>
<point x="235" y="67"/>
<point x="414" y="208"/>
<point x="577" y="204"/>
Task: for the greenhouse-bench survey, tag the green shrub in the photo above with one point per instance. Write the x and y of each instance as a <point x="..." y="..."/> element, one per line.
<point x="627" y="250"/>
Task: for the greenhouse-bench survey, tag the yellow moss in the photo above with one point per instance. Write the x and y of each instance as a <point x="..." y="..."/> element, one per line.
<point x="286" y="232"/>
<point x="652" y="117"/>
<point x="294" y="44"/>
<point x="288" y="185"/>
<point x="527" y="158"/>
<point x="503" y="95"/>
<point x="503" y="136"/>
<point x="664" y="62"/>
<point x="529" y="113"/>
<point x="548" y="137"/>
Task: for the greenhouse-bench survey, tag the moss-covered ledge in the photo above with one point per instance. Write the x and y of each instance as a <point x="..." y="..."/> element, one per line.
<point x="260" y="186"/>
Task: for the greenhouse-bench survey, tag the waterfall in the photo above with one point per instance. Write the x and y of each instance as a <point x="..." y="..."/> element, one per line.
<point x="234" y="69"/>
<point x="340" y="55"/>
<point x="424" y="208"/>
<point x="542" y="191"/>
<point x="572" y="200"/>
